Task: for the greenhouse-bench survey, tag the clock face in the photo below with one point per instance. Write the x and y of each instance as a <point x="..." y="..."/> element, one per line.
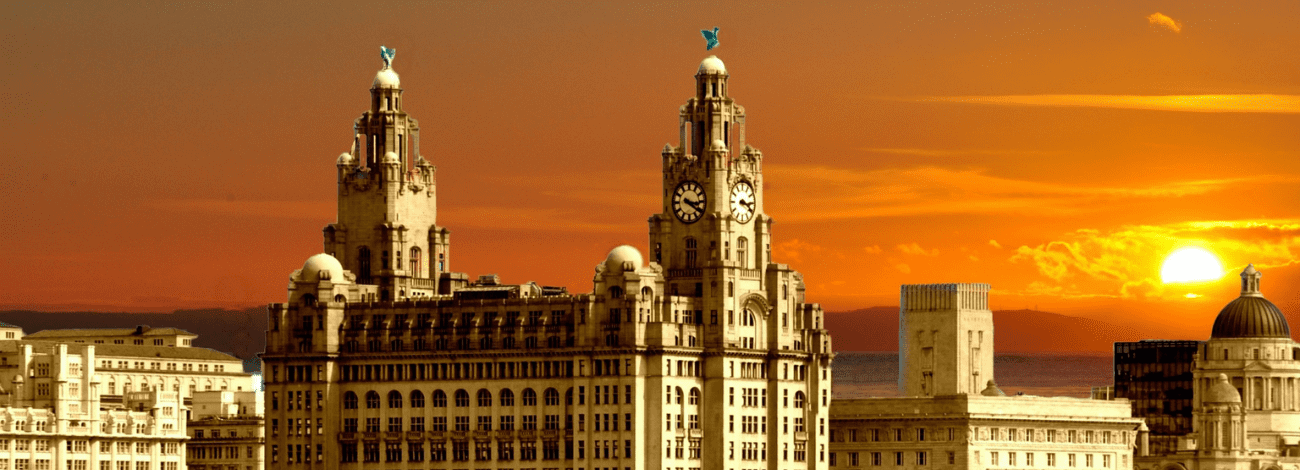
<point x="742" y="201"/>
<point x="689" y="201"/>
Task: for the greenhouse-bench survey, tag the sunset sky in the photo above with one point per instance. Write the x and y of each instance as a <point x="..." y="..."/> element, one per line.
<point x="167" y="156"/>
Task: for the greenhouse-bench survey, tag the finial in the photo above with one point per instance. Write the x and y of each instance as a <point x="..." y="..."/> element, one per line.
<point x="387" y="55"/>
<point x="1250" y="282"/>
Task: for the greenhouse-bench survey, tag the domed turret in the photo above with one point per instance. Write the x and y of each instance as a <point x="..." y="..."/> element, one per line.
<point x="718" y="146"/>
<point x="1222" y="392"/>
<point x="1251" y="315"/>
<point x="623" y="258"/>
<point x="386" y="78"/>
<point x="391" y="157"/>
<point x="345" y="160"/>
<point x="712" y="64"/>
<point x="321" y="267"/>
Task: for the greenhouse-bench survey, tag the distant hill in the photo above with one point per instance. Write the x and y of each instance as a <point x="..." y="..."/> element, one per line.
<point x="876" y="329"/>
<point x="241" y="333"/>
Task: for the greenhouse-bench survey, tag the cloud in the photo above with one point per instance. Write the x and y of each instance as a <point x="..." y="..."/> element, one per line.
<point x="1259" y="103"/>
<point x="792" y="251"/>
<point x="844" y="193"/>
<point x="1124" y="262"/>
<point x="973" y="258"/>
<point x="901" y="267"/>
<point x="873" y="249"/>
<point x="915" y="249"/>
<point x="995" y="244"/>
<point x="1159" y="19"/>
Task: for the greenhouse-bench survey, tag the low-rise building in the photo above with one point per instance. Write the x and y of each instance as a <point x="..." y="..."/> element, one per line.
<point x="942" y="420"/>
<point x="227" y="431"/>
<point x="141" y="335"/>
<point x="51" y="417"/>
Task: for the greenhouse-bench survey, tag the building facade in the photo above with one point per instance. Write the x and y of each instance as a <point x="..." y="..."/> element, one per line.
<point x="1246" y="392"/>
<point x="141" y="335"/>
<point x="227" y="431"/>
<point x="944" y="419"/>
<point x="51" y="416"/>
<point x="711" y="335"/>
<point x="1156" y="377"/>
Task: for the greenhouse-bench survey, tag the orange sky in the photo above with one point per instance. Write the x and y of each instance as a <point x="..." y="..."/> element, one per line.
<point x="167" y="156"/>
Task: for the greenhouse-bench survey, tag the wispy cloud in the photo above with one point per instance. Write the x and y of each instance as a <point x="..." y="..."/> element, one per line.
<point x="873" y="249"/>
<point x="995" y="244"/>
<point x="915" y="249"/>
<point x="1124" y="262"/>
<point x="858" y="194"/>
<point x="1259" y="103"/>
<point x="793" y="251"/>
<point x="1159" y="19"/>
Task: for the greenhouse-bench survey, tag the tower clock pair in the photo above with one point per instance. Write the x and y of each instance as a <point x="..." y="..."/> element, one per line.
<point x="689" y="201"/>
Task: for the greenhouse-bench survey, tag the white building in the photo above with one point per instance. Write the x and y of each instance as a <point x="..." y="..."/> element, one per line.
<point x="942" y="420"/>
<point x="51" y="416"/>
<point x="227" y="431"/>
<point x="711" y="335"/>
<point x="1246" y="392"/>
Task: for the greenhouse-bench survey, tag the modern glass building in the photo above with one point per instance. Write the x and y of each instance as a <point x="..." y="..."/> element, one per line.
<point x="1156" y="377"/>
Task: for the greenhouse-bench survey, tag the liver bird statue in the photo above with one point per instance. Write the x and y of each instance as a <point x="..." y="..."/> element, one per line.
<point x="711" y="37"/>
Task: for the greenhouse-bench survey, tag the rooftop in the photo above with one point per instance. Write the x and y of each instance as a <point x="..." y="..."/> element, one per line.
<point x="143" y="330"/>
<point x="123" y="350"/>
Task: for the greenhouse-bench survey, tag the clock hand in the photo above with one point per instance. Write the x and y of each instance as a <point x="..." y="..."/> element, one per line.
<point x="697" y="205"/>
<point x="747" y="203"/>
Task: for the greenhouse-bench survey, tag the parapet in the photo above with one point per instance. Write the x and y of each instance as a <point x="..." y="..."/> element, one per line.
<point x="938" y="297"/>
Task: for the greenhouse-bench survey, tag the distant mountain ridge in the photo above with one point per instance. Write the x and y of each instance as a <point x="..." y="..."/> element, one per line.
<point x="876" y="329"/>
<point x="242" y="333"/>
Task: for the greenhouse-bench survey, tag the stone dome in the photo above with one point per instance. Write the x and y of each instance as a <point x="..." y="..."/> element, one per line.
<point x="712" y="64"/>
<point x="623" y="257"/>
<point x="321" y="267"/>
<point x="386" y="78"/>
<point x="992" y="390"/>
<point x="391" y="157"/>
<point x="1222" y="392"/>
<point x="345" y="160"/>
<point x="1251" y="315"/>
<point x="718" y="145"/>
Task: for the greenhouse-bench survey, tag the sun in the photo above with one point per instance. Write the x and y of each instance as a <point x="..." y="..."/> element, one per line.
<point x="1190" y="265"/>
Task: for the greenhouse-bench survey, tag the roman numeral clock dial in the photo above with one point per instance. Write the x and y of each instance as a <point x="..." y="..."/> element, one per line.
<point x="742" y="201"/>
<point x="689" y="201"/>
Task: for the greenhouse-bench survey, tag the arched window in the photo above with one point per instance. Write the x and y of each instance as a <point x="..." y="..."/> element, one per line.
<point x="568" y="396"/>
<point x="462" y="399"/>
<point x="690" y="340"/>
<point x="798" y="399"/>
<point x="484" y="398"/>
<point x="417" y="399"/>
<point x="340" y="298"/>
<point x="439" y="399"/>
<point x="394" y="399"/>
<point x="308" y="300"/>
<point x="551" y="396"/>
<point x="363" y="264"/>
<point x="530" y="397"/>
<point x="485" y="342"/>
<point x="508" y="342"/>
<point x="507" y="398"/>
<point x="372" y="399"/>
<point x="616" y="292"/>
<point x="553" y="342"/>
<point x="530" y="342"/>
<point x="742" y="252"/>
<point x="695" y="396"/>
<point x="690" y="253"/>
<point x="440" y="344"/>
<point x="463" y="344"/>
<point x="679" y="395"/>
<point x="349" y="401"/>
<point x="611" y="339"/>
<point x="415" y="262"/>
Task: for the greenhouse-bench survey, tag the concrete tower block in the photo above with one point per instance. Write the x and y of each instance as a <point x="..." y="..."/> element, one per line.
<point x="945" y="339"/>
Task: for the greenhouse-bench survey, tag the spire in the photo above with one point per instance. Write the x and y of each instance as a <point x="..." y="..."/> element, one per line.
<point x="1250" y="282"/>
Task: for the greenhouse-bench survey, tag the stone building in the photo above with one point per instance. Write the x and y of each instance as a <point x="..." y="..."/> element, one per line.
<point x="227" y="431"/>
<point x="51" y="416"/>
<point x="383" y="356"/>
<point x="942" y="420"/>
<point x="141" y="359"/>
<point x="1246" y="392"/>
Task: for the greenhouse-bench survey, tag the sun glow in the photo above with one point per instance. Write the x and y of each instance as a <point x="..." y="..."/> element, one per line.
<point x="1191" y="265"/>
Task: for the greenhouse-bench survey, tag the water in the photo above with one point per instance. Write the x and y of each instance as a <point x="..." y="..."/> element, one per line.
<point x="875" y="374"/>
